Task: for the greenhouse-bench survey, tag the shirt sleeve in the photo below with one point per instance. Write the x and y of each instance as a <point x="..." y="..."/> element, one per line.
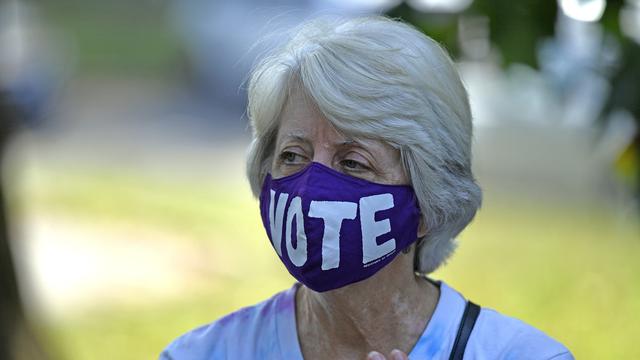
<point x="502" y="337"/>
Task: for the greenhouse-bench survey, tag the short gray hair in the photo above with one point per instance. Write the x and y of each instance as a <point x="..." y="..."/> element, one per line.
<point x="378" y="78"/>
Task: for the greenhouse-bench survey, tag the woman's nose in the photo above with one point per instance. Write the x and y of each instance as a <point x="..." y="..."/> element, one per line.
<point x="323" y="156"/>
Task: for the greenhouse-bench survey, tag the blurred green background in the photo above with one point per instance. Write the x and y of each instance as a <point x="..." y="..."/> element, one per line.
<point x="569" y="270"/>
<point x="133" y="223"/>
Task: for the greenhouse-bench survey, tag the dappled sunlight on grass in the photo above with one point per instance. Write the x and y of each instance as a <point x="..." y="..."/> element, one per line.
<point x="570" y="271"/>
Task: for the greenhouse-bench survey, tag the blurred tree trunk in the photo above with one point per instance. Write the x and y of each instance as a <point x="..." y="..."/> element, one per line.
<point x="10" y="304"/>
<point x="16" y="338"/>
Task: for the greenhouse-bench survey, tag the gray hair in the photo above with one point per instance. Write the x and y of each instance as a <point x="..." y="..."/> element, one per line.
<point x="378" y="78"/>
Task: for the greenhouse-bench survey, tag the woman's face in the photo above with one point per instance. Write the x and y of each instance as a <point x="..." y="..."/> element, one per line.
<point x="306" y="136"/>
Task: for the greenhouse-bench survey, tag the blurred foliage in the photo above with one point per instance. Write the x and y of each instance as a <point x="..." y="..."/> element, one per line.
<point x="568" y="265"/>
<point x="516" y="28"/>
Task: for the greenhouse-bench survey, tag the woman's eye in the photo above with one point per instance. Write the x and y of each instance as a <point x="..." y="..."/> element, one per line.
<point x="289" y="157"/>
<point x="353" y="165"/>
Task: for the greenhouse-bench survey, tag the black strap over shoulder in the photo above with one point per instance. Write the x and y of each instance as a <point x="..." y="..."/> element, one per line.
<point x="471" y="312"/>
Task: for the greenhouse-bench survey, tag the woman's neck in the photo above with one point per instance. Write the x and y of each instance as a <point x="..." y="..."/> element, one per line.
<point x="390" y="310"/>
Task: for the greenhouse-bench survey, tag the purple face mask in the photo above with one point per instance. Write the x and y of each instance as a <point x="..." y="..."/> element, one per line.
<point x="331" y="229"/>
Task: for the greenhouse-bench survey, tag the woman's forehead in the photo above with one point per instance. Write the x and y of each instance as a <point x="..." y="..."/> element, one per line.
<point x="302" y="121"/>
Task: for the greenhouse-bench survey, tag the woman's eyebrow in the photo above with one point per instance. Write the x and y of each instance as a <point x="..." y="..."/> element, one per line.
<point x="296" y="136"/>
<point x="349" y="142"/>
<point x="356" y="143"/>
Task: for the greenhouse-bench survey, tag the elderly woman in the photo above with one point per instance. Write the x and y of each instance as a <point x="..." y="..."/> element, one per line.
<point x="361" y="160"/>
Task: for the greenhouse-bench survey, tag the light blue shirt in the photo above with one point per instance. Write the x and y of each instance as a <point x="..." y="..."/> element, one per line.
<point x="268" y="331"/>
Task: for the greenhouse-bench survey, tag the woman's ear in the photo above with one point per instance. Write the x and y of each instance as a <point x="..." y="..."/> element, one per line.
<point x="422" y="228"/>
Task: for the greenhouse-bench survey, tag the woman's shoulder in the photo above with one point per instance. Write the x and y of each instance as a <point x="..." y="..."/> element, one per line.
<point x="251" y="330"/>
<point x="494" y="336"/>
<point x="513" y="338"/>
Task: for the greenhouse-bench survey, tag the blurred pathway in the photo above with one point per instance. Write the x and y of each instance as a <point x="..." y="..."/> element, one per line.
<point x="72" y="265"/>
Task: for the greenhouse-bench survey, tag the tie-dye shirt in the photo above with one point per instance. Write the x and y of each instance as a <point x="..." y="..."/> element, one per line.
<point x="268" y="331"/>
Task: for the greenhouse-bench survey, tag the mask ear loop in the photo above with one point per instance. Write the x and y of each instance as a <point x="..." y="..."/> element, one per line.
<point x="416" y="255"/>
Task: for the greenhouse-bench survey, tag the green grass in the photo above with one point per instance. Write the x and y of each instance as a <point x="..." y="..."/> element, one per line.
<point x="116" y="37"/>
<point x="573" y="272"/>
<point x="126" y="332"/>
